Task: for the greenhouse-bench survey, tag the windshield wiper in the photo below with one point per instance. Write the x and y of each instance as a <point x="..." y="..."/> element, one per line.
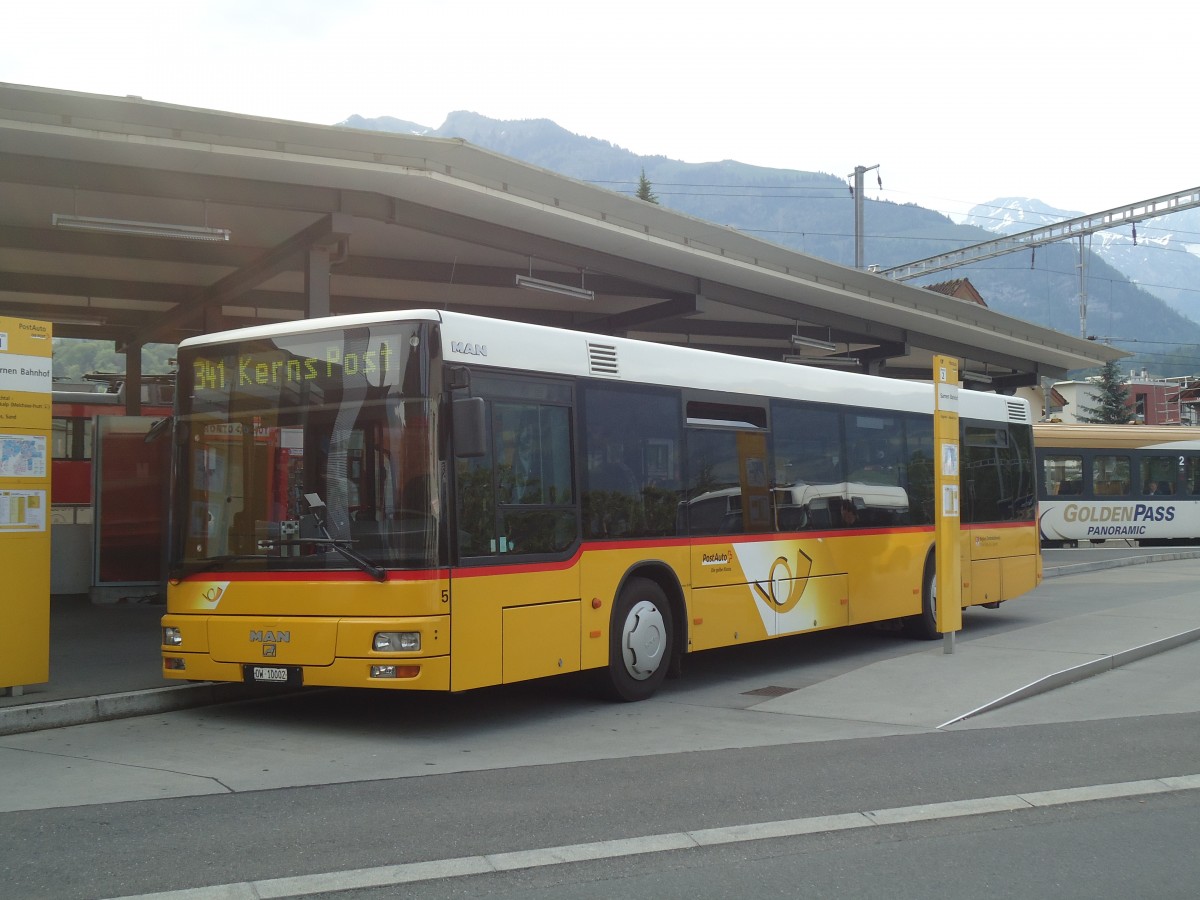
<point x="341" y="546"/>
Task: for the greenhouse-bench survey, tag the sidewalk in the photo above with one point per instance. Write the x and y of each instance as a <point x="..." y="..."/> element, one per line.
<point x="105" y="663"/>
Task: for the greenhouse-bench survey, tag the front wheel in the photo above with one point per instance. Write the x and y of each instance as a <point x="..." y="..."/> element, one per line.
<point x="641" y="641"/>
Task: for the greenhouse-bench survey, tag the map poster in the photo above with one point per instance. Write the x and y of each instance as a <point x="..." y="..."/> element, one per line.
<point x="22" y="456"/>
<point x="22" y="511"/>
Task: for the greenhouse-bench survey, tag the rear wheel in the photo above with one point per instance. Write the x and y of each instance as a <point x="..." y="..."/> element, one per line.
<point x="641" y="641"/>
<point x="923" y="626"/>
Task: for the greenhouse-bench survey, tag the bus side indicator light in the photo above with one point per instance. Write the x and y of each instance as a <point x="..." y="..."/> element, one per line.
<point x="699" y="620"/>
<point x="596" y="603"/>
<point x="595" y="633"/>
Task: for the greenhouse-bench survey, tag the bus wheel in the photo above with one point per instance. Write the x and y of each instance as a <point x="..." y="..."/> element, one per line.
<point x="641" y="641"/>
<point x="923" y="626"/>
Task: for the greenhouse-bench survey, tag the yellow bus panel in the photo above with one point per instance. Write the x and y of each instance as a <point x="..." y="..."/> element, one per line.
<point x="1019" y="575"/>
<point x="984" y="582"/>
<point x="540" y="640"/>
<point x="357" y="596"/>
<point x="480" y="597"/>
<point x="431" y="673"/>
<point x="292" y="640"/>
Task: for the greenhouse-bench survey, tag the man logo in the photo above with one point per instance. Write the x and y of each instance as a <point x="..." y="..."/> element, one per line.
<point x="270" y="637"/>
<point x="268" y="649"/>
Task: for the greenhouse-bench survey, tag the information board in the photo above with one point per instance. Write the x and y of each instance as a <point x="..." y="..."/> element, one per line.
<point x="26" y="376"/>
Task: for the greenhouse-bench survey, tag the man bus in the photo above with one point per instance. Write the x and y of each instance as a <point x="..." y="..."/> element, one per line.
<point x="344" y="510"/>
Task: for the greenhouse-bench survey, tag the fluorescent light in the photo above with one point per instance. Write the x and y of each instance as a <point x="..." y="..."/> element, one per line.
<point x="555" y="287"/>
<point x="142" y="229"/>
<point x="976" y="376"/>
<point x="801" y="341"/>
<point x="76" y="320"/>
<point x="825" y="362"/>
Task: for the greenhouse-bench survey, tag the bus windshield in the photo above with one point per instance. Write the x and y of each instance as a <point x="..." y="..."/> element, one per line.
<point x="307" y="451"/>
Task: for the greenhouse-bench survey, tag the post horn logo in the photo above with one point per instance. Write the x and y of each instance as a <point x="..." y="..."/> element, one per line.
<point x="784" y="587"/>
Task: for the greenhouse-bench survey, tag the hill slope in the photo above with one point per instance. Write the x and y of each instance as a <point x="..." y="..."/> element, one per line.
<point x="813" y="212"/>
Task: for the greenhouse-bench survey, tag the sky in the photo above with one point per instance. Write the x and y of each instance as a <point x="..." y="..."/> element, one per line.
<point x="1082" y="105"/>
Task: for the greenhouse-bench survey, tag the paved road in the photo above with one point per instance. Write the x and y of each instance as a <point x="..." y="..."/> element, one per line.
<point x="839" y="725"/>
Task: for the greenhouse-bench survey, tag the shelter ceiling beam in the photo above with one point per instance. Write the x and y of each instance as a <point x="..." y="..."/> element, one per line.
<point x="863" y="330"/>
<point x="537" y="248"/>
<point x="327" y="231"/>
<point x="646" y="315"/>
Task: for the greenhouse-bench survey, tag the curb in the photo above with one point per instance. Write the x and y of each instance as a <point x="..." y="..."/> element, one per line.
<point x="1094" y="565"/>
<point x="1086" y="670"/>
<point x="85" y="710"/>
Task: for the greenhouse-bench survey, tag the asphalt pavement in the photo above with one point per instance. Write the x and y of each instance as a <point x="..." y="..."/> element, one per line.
<point x="105" y="664"/>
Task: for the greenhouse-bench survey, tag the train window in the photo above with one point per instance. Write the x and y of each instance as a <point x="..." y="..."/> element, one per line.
<point x="1110" y="475"/>
<point x="1158" y="474"/>
<point x="1062" y="475"/>
<point x="71" y="438"/>
<point x="1191" y="474"/>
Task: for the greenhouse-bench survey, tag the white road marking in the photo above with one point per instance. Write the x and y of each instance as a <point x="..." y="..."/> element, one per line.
<point x="408" y="873"/>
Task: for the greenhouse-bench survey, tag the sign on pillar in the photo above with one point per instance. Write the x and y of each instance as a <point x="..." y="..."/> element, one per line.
<point x="26" y="364"/>
<point x="947" y="515"/>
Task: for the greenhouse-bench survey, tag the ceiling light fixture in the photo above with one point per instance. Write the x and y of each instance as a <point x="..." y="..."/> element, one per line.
<point x="801" y="341"/>
<point x="825" y="362"/>
<point x="976" y="376"/>
<point x="74" y="320"/>
<point x="140" y="229"/>
<point x="554" y="287"/>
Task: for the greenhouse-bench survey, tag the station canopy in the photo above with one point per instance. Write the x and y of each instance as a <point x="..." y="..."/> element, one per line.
<point x="144" y="222"/>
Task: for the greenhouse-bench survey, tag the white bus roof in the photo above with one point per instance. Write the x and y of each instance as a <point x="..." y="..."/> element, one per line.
<point x="524" y="347"/>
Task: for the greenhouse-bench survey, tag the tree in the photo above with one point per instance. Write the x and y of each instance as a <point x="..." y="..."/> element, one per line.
<point x="1113" y="408"/>
<point x="643" y="189"/>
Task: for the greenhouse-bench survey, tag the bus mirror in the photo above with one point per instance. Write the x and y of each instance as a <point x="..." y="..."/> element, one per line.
<point x="158" y="429"/>
<point x="470" y="436"/>
<point x="458" y="378"/>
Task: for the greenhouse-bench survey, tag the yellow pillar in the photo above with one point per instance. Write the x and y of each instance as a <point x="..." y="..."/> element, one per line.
<point x="947" y="518"/>
<point x="25" y="383"/>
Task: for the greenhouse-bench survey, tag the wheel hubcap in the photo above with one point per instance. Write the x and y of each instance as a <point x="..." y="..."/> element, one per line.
<point x="643" y="640"/>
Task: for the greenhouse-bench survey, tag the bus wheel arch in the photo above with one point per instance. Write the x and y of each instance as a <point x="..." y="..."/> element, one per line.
<point x="646" y="633"/>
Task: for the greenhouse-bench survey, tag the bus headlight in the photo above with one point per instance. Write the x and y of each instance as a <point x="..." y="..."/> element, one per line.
<point x="396" y="641"/>
<point x="171" y="636"/>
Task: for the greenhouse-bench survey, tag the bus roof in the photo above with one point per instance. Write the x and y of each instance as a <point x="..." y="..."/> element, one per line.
<point x="1055" y="435"/>
<point x="526" y="347"/>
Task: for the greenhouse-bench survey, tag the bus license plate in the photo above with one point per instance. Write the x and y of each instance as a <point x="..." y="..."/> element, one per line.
<point x="275" y="674"/>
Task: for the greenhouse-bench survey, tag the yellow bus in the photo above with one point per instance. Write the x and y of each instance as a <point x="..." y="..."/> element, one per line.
<point x="427" y="500"/>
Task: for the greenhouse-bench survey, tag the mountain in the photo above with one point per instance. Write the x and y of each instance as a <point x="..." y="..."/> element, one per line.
<point x="813" y="212"/>
<point x="1157" y="254"/>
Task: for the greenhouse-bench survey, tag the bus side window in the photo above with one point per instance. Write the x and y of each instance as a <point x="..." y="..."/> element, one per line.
<point x="630" y="461"/>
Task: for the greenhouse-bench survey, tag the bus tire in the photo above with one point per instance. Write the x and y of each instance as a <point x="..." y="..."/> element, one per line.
<point x="641" y="641"/>
<point x="923" y="626"/>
